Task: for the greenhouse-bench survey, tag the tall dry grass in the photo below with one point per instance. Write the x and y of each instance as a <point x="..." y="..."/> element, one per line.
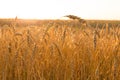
<point x="59" y="52"/>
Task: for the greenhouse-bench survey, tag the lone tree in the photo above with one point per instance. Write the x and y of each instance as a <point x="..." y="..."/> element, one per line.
<point x="72" y="17"/>
<point x="82" y="21"/>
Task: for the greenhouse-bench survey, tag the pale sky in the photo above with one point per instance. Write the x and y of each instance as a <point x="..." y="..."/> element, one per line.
<point x="55" y="9"/>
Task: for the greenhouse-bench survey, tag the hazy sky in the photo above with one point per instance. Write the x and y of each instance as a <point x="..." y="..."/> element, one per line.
<point x="55" y="9"/>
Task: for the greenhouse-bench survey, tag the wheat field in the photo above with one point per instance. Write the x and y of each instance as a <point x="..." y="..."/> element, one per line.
<point x="59" y="50"/>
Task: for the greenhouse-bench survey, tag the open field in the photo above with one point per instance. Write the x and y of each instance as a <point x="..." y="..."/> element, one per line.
<point x="59" y="50"/>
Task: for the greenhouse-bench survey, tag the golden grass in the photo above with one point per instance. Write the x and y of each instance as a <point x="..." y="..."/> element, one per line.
<point x="59" y="52"/>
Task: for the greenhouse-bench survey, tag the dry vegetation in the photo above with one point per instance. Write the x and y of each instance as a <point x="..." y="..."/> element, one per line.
<point x="59" y="50"/>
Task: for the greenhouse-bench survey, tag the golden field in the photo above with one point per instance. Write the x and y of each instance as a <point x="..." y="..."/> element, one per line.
<point x="59" y="50"/>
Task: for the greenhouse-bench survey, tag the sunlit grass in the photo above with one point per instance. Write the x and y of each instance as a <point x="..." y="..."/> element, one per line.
<point x="59" y="50"/>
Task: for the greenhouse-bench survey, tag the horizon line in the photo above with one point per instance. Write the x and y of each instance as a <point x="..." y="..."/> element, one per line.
<point x="54" y="18"/>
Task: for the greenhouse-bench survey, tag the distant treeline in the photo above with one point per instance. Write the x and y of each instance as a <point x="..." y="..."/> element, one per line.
<point x="26" y="22"/>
